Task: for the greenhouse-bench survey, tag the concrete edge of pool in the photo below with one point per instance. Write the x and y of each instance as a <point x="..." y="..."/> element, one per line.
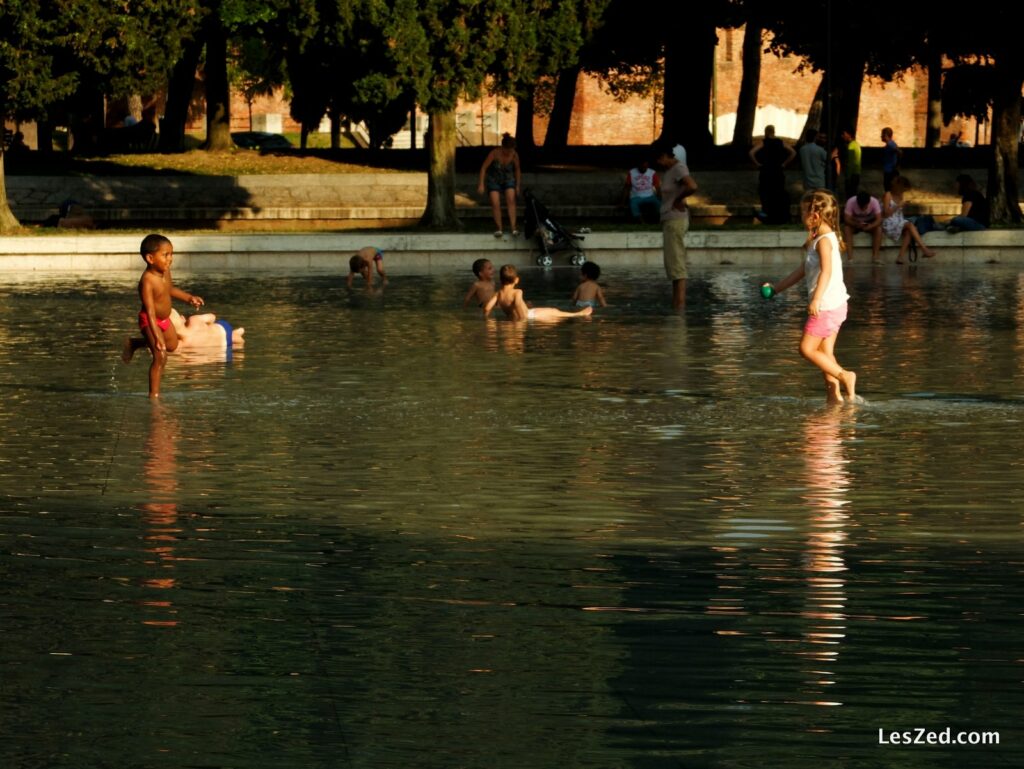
<point x="420" y="253"/>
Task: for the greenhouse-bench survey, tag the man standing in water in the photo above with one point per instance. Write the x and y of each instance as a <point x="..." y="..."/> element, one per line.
<point x="676" y="186"/>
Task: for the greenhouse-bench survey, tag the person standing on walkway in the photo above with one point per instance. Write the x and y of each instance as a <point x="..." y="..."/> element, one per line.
<point x="891" y="154"/>
<point x="500" y="175"/>
<point x="771" y="155"/>
<point x="676" y="186"/>
<point x="851" y="164"/>
<point x="814" y="160"/>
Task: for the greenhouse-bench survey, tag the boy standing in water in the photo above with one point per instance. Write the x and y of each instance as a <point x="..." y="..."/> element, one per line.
<point x="156" y="290"/>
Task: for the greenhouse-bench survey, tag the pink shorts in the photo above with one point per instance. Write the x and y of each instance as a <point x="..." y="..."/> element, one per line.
<point x="826" y="323"/>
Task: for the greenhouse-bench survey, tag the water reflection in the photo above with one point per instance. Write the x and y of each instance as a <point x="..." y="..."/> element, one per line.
<point x="828" y="484"/>
<point x="402" y="536"/>
<point x="160" y="516"/>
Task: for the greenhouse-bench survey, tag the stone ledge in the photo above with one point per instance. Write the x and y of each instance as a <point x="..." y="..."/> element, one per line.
<point x="414" y="252"/>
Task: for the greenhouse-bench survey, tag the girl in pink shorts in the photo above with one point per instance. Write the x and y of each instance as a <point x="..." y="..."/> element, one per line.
<point x="826" y="310"/>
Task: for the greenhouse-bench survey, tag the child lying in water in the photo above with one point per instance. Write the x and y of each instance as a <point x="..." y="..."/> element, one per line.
<point x="510" y="299"/>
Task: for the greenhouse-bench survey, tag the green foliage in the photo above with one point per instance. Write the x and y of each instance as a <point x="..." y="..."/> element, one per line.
<point x="31" y="36"/>
<point x="119" y="48"/>
<point x="443" y="49"/>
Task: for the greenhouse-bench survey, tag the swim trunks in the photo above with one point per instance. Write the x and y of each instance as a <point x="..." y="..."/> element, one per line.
<point x="581" y="303"/>
<point x="379" y="256"/>
<point x="228" y="331"/>
<point x="163" y="323"/>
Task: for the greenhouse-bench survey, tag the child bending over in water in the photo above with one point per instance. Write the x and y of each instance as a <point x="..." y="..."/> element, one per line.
<point x="588" y="293"/>
<point x="823" y="269"/>
<point x="483" y="287"/>
<point x="510" y="299"/>
<point x="362" y="263"/>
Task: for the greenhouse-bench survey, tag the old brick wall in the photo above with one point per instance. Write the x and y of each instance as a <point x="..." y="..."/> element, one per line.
<point x="784" y="97"/>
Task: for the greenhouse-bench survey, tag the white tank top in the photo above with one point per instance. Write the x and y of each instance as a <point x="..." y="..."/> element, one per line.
<point x="835" y="292"/>
<point x="641" y="185"/>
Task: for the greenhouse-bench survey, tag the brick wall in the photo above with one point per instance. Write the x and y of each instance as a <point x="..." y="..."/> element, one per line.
<point x="784" y="97"/>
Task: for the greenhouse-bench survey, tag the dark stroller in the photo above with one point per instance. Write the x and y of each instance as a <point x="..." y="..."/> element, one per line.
<point x="551" y="236"/>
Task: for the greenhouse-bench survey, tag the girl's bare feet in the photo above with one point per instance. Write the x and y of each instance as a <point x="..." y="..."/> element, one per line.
<point x="928" y="253"/>
<point x="849" y="380"/>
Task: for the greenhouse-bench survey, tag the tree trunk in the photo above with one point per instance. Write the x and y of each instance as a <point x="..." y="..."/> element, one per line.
<point x="557" y="136"/>
<point x="844" y="99"/>
<point x="218" y="94"/>
<point x="933" y="131"/>
<point x="526" y="144"/>
<point x="335" y="129"/>
<point x="1004" y="172"/>
<point x="179" y="97"/>
<point x="44" y="137"/>
<point x="689" y="66"/>
<point x="816" y="111"/>
<point x="746" y="109"/>
<point x="440" y="213"/>
<point x="8" y="221"/>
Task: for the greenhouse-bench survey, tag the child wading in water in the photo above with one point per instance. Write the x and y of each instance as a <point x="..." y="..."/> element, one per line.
<point x="156" y="291"/>
<point x="823" y="268"/>
<point x="483" y="287"/>
<point x="510" y="299"/>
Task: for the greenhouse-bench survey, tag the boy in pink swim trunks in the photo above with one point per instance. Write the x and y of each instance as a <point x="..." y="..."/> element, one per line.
<point x="363" y="262"/>
<point x="156" y="289"/>
<point x="826" y="309"/>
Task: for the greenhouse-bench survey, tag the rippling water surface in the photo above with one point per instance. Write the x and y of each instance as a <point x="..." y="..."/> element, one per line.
<point x="390" y="534"/>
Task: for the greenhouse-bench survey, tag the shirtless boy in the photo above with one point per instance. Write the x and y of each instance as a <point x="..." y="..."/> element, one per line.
<point x="483" y="287"/>
<point x="363" y="262"/>
<point x="156" y="290"/>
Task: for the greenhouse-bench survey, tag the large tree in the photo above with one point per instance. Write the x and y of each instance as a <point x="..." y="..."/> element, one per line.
<point x="444" y="50"/>
<point x="27" y="83"/>
<point x="844" y="48"/>
<point x="988" y="72"/>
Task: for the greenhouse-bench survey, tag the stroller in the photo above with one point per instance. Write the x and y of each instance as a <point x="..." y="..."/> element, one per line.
<point x="551" y="236"/>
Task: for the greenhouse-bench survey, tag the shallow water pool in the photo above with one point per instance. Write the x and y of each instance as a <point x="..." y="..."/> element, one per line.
<point x="390" y="534"/>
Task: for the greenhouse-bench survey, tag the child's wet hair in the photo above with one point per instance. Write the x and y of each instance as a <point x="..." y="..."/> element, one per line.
<point x="824" y="204"/>
<point x="151" y="244"/>
<point x="478" y="265"/>
<point x="356" y="263"/>
<point x="508" y="275"/>
<point x="591" y="270"/>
